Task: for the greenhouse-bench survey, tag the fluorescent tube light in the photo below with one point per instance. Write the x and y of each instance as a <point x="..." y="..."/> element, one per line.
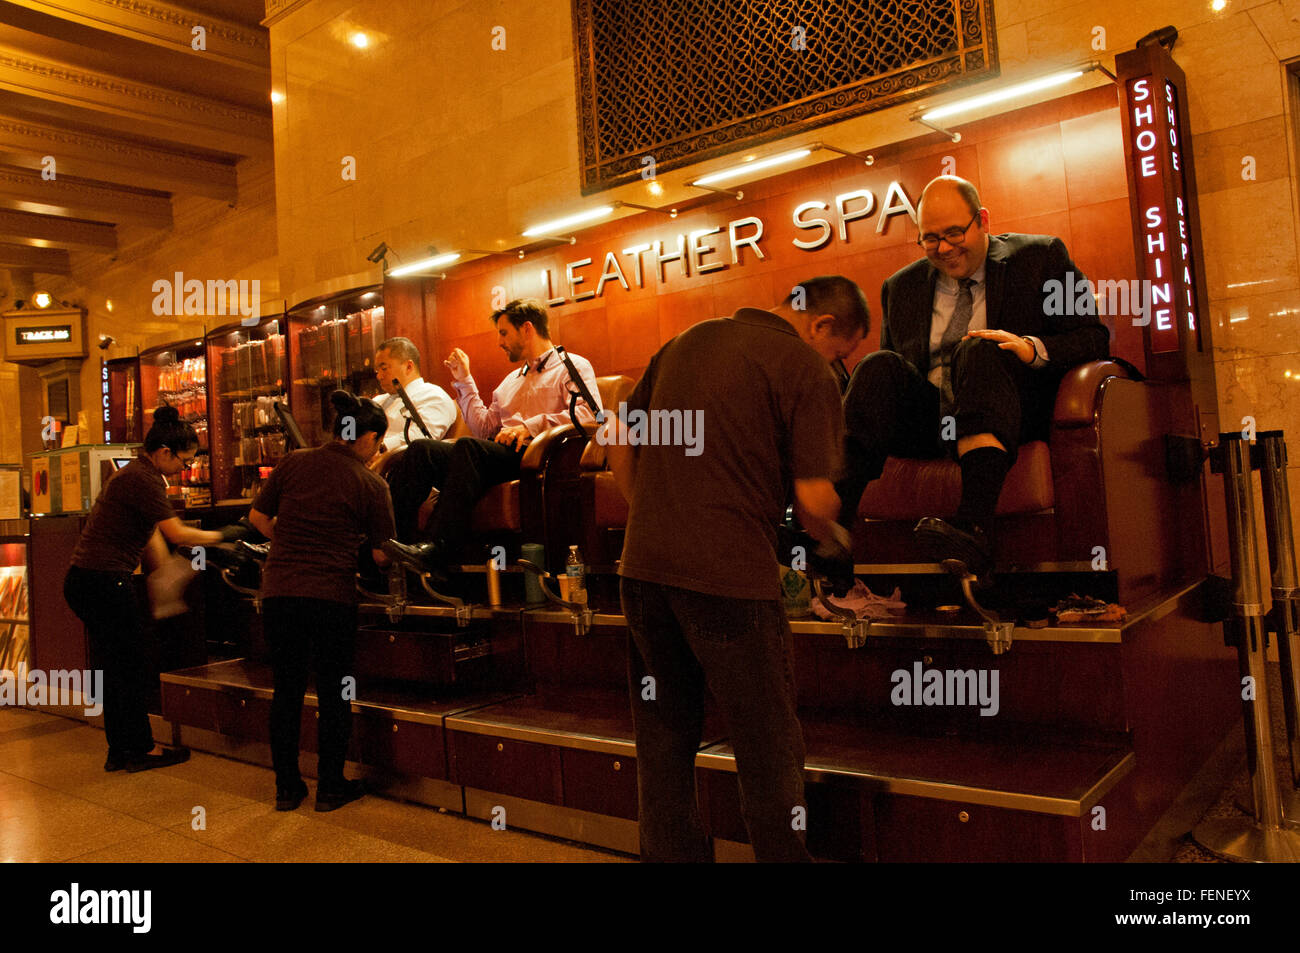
<point x="554" y="229"/>
<point x="997" y="96"/>
<point x="747" y="167"/>
<point x="436" y="262"/>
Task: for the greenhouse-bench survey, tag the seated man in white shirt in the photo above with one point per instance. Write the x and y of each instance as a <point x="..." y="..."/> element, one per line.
<point x="527" y="402"/>
<point x="397" y="360"/>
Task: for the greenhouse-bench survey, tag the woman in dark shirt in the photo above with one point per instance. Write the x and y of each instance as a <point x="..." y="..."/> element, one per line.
<point x="98" y="588"/>
<point x="318" y="507"/>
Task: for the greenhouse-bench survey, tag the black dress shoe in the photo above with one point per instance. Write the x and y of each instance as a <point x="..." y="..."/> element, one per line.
<point x="117" y="762"/>
<point x="288" y="798"/>
<point x="420" y="557"/>
<point x="941" y="540"/>
<point x="147" y="762"/>
<point x="335" y="796"/>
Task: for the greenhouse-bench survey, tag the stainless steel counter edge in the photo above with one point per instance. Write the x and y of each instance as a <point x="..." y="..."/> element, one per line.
<point x="945" y="791"/>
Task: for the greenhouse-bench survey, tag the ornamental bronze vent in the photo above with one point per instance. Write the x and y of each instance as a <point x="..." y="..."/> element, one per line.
<point x="685" y="80"/>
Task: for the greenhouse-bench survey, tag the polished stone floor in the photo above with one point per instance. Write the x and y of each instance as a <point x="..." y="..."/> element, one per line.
<point x="58" y="804"/>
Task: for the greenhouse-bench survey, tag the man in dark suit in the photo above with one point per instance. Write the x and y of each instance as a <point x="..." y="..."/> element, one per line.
<point x="969" y="363"/>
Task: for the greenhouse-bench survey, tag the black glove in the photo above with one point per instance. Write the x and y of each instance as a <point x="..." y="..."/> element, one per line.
<point x="234" y="533"/>
<point x="834" y="560"/>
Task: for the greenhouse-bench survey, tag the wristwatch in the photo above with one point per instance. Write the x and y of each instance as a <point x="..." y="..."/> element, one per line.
<point x="1040" y="350"/>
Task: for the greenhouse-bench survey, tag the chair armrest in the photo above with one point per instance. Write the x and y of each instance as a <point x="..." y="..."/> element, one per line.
<point x="593" y="457"/>
<point x="546" y="443"/>
<point x="1080" y="389"/>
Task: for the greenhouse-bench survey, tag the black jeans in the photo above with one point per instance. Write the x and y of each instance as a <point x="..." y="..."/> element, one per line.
<point x="105" y="602"/>
<point x="740" y="649"/>
<point x="462" y="470"/>
<point x="891" y="409"/>
<point x="296" y="629"/>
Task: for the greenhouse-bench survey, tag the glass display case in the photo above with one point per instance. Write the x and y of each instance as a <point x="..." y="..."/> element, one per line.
<point x="250" y="371"/>
<point x="331" y="346"/>
<point x="15" y="614"/>
<point x="123" y="411"/>
<point x="177" y="375"/>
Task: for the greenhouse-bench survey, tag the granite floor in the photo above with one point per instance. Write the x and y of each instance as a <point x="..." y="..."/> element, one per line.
<point x="58" y="804"/>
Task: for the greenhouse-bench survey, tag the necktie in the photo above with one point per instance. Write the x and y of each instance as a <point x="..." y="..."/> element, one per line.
<point x="955" y="331"/>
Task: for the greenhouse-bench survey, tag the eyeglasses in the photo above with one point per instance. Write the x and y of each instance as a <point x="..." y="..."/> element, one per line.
<point x="953" y="236"/>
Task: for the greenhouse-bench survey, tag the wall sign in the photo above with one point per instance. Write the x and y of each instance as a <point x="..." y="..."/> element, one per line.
<point x="1166" y="225"/>
<point x="44" y="335"/>
<point x="38" y="337"/>
<point x="706" y="250"/>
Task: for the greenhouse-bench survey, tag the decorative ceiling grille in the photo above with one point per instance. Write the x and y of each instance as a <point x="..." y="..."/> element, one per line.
<point x="684" y="80"/>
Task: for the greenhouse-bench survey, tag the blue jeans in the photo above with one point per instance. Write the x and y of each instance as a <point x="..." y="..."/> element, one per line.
<point x="740" y="649"/>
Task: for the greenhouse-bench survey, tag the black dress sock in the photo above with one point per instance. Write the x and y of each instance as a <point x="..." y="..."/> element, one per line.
<point x="983" y="471"/>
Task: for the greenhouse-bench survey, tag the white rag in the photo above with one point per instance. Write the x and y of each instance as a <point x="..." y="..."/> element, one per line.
<point x="863" y="602"/>
<point x="167" y="587"/>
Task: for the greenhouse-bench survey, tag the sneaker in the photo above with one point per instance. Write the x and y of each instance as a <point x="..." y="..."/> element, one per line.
<point x="287" y="798"/>
<point x="147" y="762"/>
<point x="334" y="797"/>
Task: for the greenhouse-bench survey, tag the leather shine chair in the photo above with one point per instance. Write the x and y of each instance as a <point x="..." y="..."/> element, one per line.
<point x="525" y="509"/>
<point x="1095" y="494"/>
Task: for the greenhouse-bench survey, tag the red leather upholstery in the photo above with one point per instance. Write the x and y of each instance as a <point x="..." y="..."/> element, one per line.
<point x="1078" y="398"/>
<point x="501" y="507"/>
<point x="911" y="489"/>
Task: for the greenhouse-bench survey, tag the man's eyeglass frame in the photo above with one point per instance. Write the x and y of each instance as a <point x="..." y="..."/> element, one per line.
<point x="953" y="236"/>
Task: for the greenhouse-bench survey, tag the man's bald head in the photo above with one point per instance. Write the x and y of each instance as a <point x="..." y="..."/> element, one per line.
<point x="948" y="205"/>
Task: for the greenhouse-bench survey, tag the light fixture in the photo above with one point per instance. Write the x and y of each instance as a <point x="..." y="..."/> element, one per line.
<point x="108" y="305"/>
<point x="654" y="188"/>
<point x="42" y="299"/>
<point x="277" y="96"/>
<point x="549" y="229"/>
<point x="930" y="117"/>
<point x="425" y="264"/>
<point x="1218" y="5"/>
<point x="359" y="40"/>
<point x="744" y="168"/>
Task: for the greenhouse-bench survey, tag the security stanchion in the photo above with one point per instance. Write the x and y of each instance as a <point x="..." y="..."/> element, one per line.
<point x="1265" y="837"/>
<point x="1271" y="455"/>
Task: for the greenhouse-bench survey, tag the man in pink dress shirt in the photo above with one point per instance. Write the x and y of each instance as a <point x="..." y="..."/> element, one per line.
<point x="527" y="402"/>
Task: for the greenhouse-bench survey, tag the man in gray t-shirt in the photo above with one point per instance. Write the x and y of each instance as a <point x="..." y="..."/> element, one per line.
<point x="732" y="418"/>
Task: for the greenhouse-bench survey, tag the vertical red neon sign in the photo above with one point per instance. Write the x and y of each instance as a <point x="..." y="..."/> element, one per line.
<point x="1164" y="246"/>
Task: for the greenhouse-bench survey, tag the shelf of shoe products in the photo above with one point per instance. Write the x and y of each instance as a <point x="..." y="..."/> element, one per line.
<point x="176" y="375"/>
<point x="332" y="346"/>
<point x="15" y="624"/>
<point x="250" y="368"/>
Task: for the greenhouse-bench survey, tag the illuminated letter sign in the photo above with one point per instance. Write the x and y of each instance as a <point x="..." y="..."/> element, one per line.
<point x="1157" y="157"/>
<point x="59" y="334"/>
